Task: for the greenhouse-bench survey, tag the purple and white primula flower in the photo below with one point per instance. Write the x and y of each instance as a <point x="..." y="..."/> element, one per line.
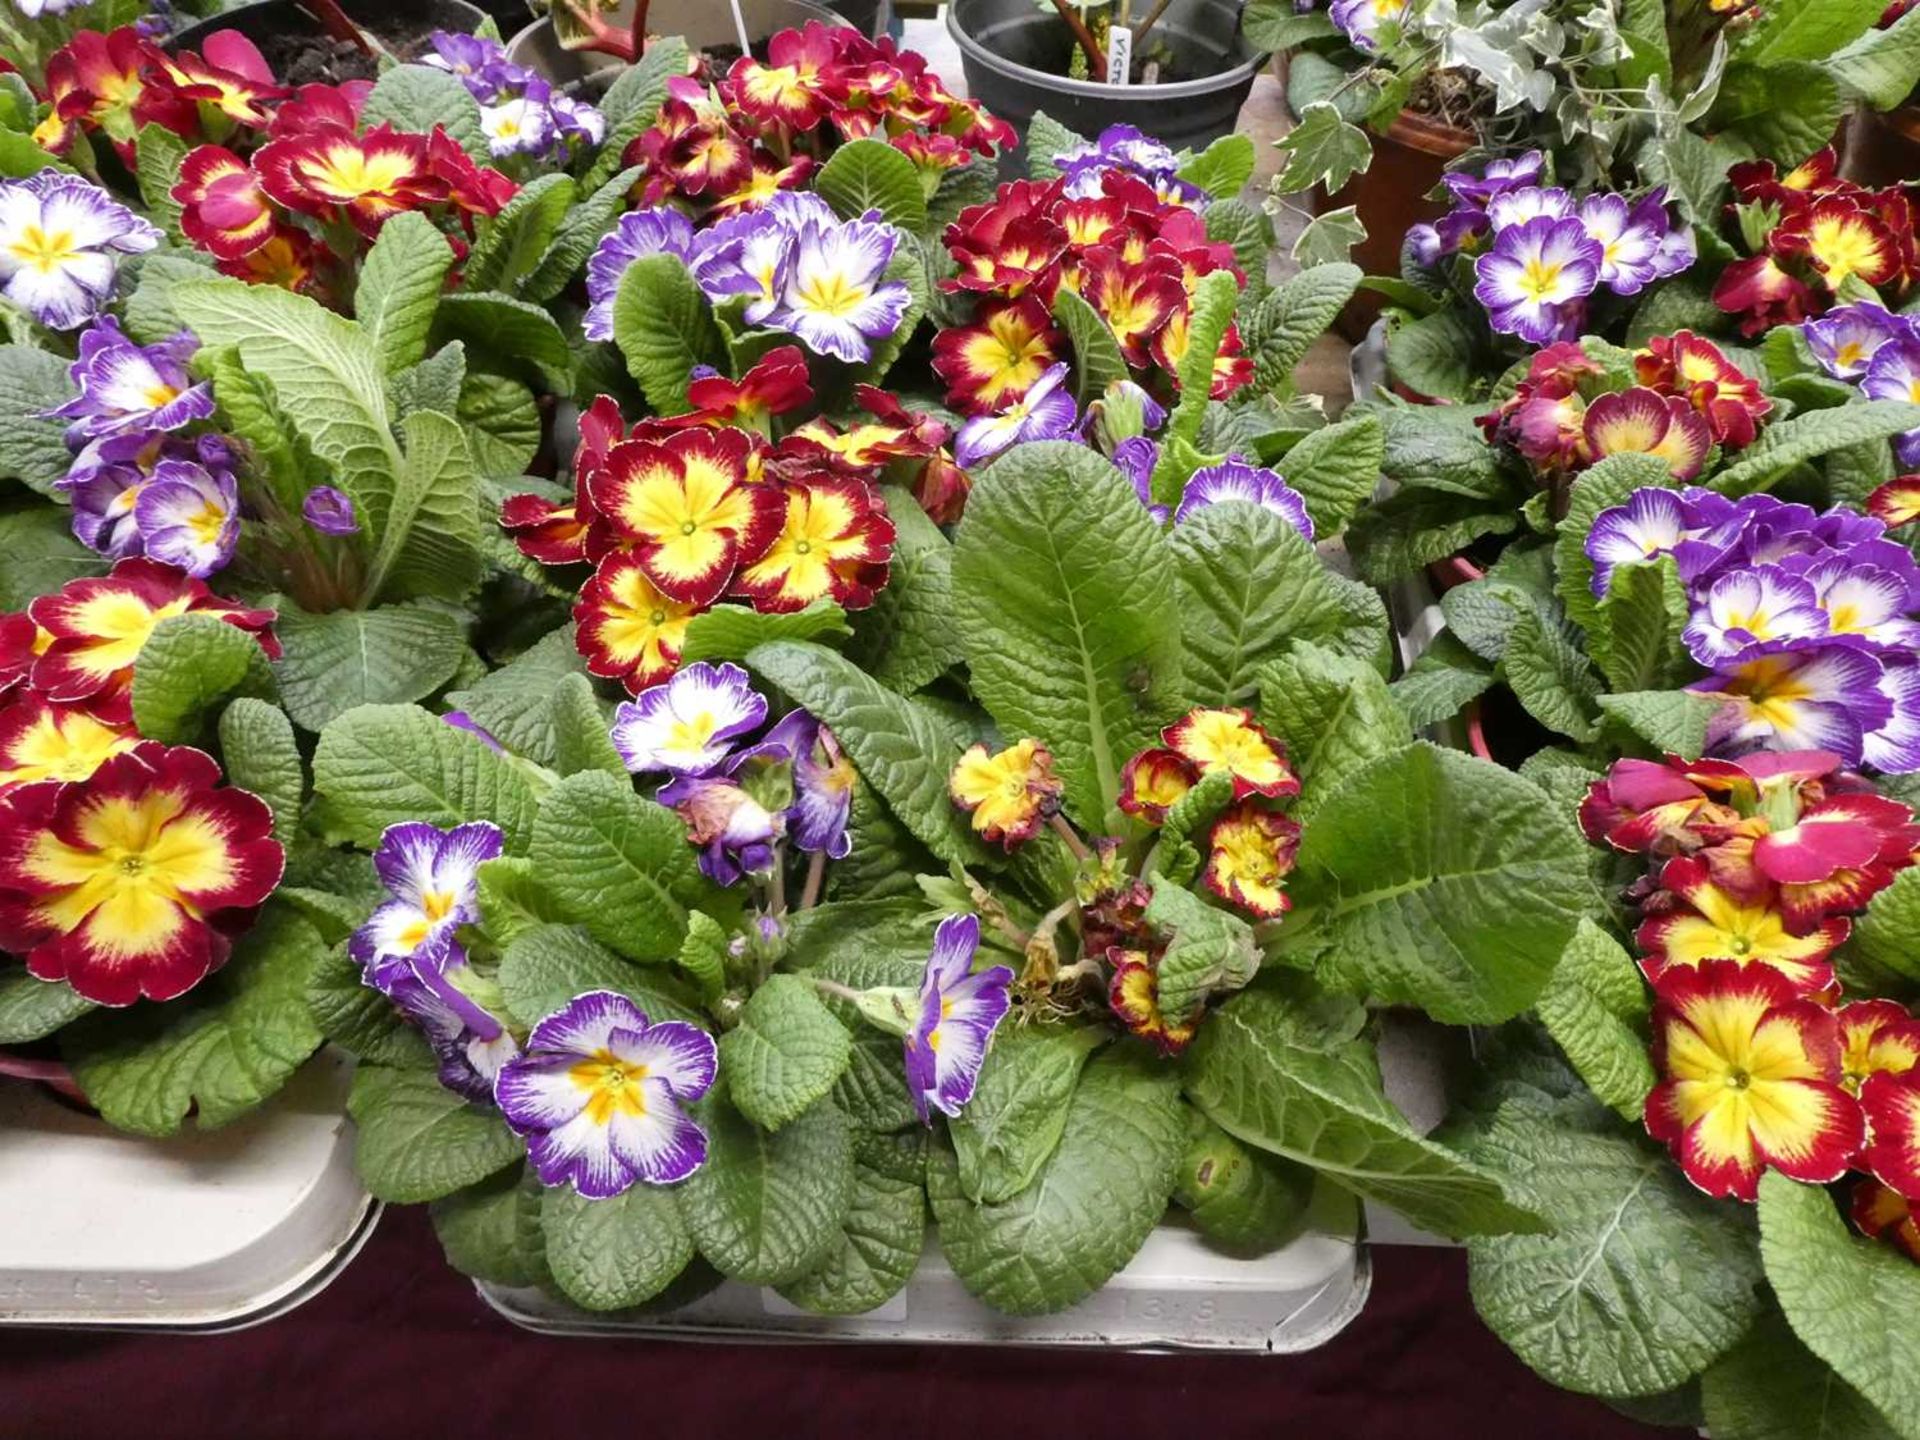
<point x="1894" y="374"/>
<point x="1137" y="458"/>
<point x="1535" y="279"/>
<point x="687" y="725"/>
<point x="1369" y="25"/>
<point x="958" y="1011"/>
<point x="127" y="387"/>
<point x="433" y="878"/>
<point x="1635" y="248"/>
<point x="189" y="516"/>
<point x="823" y="781"/>
<point x="1528" y="202"/>
<point x="1126" y="148"/>
<point x="61" y="239"/>
<point x="1235" y="479"/>
<point x="478" y="63"/>
<point x="111" y="475"/>
<point x="661" y="230"/>
<point x="833" y="294"/>
<point x="1497" y="177"/>
<point x="1847" y="337"/>
<point x="1045" y="412"/>
<point x="597" y="1095"/>
<point x="471" y="1043"/>
<point x="518" y="125"/>
<point x="1797" y="696"/>
<point x="1745" y="608"/>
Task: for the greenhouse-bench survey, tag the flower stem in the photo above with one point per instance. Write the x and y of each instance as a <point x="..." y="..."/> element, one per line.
<point x="777" y="897"/>
<point x="832" y="987"/>
<point x="1075" y="845"/>
<point x="1096" y="60"/>
<point x="816" y="878"/>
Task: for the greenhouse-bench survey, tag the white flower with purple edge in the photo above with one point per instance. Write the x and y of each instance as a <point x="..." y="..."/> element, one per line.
<point x="597" y="1096"/>
<point x="1529" y="202"/>
<point x="1369" y="24"/>
<point x="1499" y="175"/>
<point x="1629" y="241"/>
<point x="1535" y="277"/>
<point x="833" y="292"/>
<point x="823" y="781"/>
<point x="661" y="230"/>
<point x="1236" y="480"/>
<point x="736" y="815"/>
<point x="1847" y="337"/>
<point x="1797" y="695"/>
<point x="126" y="387"/>
<point x="479" y="63"/>
<point x="1894" y="374"/>
<point x="1894" y="747"/>
<point x="1045" y="412"/>
<point x="1868" y="601"/>
<point x="433" y="877"/>
<point x="1694" y="526"/>
<point x="958" y="1012"/>
<point x="518" y="126"/>
<point x="686" y="725"/>
<point x="61" y="239"/>
<point x="189" y="516"/>
<point x="471" y="1043"/>
<point x="1745" y="608"/>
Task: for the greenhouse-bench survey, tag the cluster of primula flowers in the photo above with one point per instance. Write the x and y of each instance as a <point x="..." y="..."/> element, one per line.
<point x="766" y="126"/>
<point x="521" y="113"/>
<point x="789" y="264"/>
<point x="682" y="513"/>
<point x="1686" y="399"/>
<point x="143" y="482"/>
<point x="1012" y="794"/>
<point x="1754" y="868"/>
<point x="283" y="186"/>
<point x="61" y="243"/>
<point x="1131" y="247"/>
<point x="1804" y="620"/>
<point x="126" y="868"/>
<point x="1541" y="255"/>
<point x="1880" y="352"/>
<point x="1817" y="239"/>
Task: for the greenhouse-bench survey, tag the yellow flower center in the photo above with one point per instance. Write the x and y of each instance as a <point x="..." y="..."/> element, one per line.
<point x="43" y="251"/>
<point x="612" y="1085"/>
<point x="62" y="746"/>
<point x="1842" y="249"/>
<point x="119" y="625"/>
<point x="831" y="294"/>
<point x="1537" y="281"/>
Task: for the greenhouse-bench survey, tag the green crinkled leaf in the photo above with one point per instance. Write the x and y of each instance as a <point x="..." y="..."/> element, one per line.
<point x="610" y="1254"/>
<point x="906" y="639"/>
<point x="1595" y="1007"/>
<point x="1445" y="677"/>
<point x="1248" y="229"/>
<point x="617" y="864"/>
<point x="1066" y="604"/>
<point x="1884" y="936"/>
<point x="158" y="155"/>
<point x="1441" y="449"/>
<point x="399" y="288"/>
<point x="1283" y="328"/>
<point x="881" y="1238"/>
<point x="415" y="98"/>
<point x="1434" y="879"/>
<point x="1250" y="587"/>
<point x="1097" y="361"/>
<point x="418" y="1140"/>
<point x="664" y="327"/>
<point x="1321" y="149"/>
<point x="260" y="755"/>
<point x="580" y="231"/>
<point x="358" y="1018"/>
<point x="1333" y="713"/>
<point x="546" y="966"/>
<point x="1785" y="111"/>
<point x="1881" y="67"/>
<point x="345" y="658"/>
<point x="502" y="423"/>
<point x="1019" y="1108"/>
<point x="1274" y="25"/>
<point x="1223" y="168"/>
<point x="1637" y="644"/>
<point x="1047" y="138"/>
<point x="512" y="243"/>
<point x="32" y="450"/>
<point x="1668" y="720"/>
<point x="1770" y="1387"/>
<point x="1805" y="29"/>
<point x="1273" y="1070"/>
<point x="868" y="175"/>
<point x="515" y="703"/>
<point x="1414" y="527"/>
<point x="511" y="336"/>
<point x="786" y="1052"/>
<point x="703" y="955"/>
<point x="899" y="747"/>
<point x="33" y="1009"/>
<point x="1336" y="469"/>
<point x="1808" y="436"/>
<point x="492" y="1231"/>
<point x="513" y="899"/>
<point x="1242" y="1199"/>
<point x="1434" y="355"/>
<point x="1607" y="484"/>
<point x="1851" y="1301"/>
<point x="581" y="738"/>
<point x="1209" y="952"/>
<point x="767" y="1208"/>
<point x="1211" y="308"/>
<point x="381" y="764"/>
<point x="1089" y="1208"/>
<point x="221" y="1049"/>
<point x="38" y="554"/>
<point x="728" y="632"/>
<point x="631" y="105"/>
<point x="187" y="668"/>
<point x="1551" y="678"/>
<point x="1644" y="1280"/>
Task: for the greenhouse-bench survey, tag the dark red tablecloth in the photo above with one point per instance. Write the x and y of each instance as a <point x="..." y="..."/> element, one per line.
<point x="401" y="1347"/>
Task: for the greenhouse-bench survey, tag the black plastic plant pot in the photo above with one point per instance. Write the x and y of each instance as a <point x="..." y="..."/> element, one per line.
<point x="1016" y="55"/>
<point x="278" y="26"/>
<point x="705" y="25"/>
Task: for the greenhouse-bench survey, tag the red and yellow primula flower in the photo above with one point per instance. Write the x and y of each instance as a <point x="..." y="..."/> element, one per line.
<point x="836" y="543"/>
<point x="42" y="740"/>
<point x="1876" y="1037"/>
<point x="94" y="82"/>
<point x="1250" y="853"/>
<point x="1750" y="1080"/>
<point x="133" y="882"/>
<point x="329" y="171"/>
<point x="1136" y="301"/>
<point x="998" y="358"/>
<point x="627" y="629"/>
<point x="223" y="210"/>
<point x="1696" y="370"/>
<point x="98" y="626"/>
<point x="1882" y="1214"/>
<point x="685" y="508"/>
<point x="1154" y="781"/>
<point x="21" y="643"/>
<point x="777" y="384"/>
<point x="1842" y="240"/>
<point x="229" y="78"/>
<point x="1892" y="1106"/>
<point x="1713" y="924"/>
<point x="1897" y="502"/>
<point x="1009" y="794"/>
<point x="289" y="260"/>
<point x="1229" y="739"/>
<point x="1134" y="997"/>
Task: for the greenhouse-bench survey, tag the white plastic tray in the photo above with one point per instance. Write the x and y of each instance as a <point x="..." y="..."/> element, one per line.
<point x="210" y="1230"/>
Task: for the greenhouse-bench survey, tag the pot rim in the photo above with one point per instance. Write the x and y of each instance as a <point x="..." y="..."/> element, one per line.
<point x="212" y="24"/>
<point x="1429" y="136"/>
<point x="972" y="49"/>
<point x="545" y="22"/>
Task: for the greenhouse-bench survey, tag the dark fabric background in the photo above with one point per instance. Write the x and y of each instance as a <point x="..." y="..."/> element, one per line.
<point x="401" y="1347"/>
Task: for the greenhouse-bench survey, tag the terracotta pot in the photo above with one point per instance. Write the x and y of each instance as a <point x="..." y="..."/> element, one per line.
<point x="1883" y="149"/>
<point x="1391" y="198"/>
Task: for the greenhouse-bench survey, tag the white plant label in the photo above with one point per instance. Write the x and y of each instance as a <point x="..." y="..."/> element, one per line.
<point x="1119" y="55"/>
